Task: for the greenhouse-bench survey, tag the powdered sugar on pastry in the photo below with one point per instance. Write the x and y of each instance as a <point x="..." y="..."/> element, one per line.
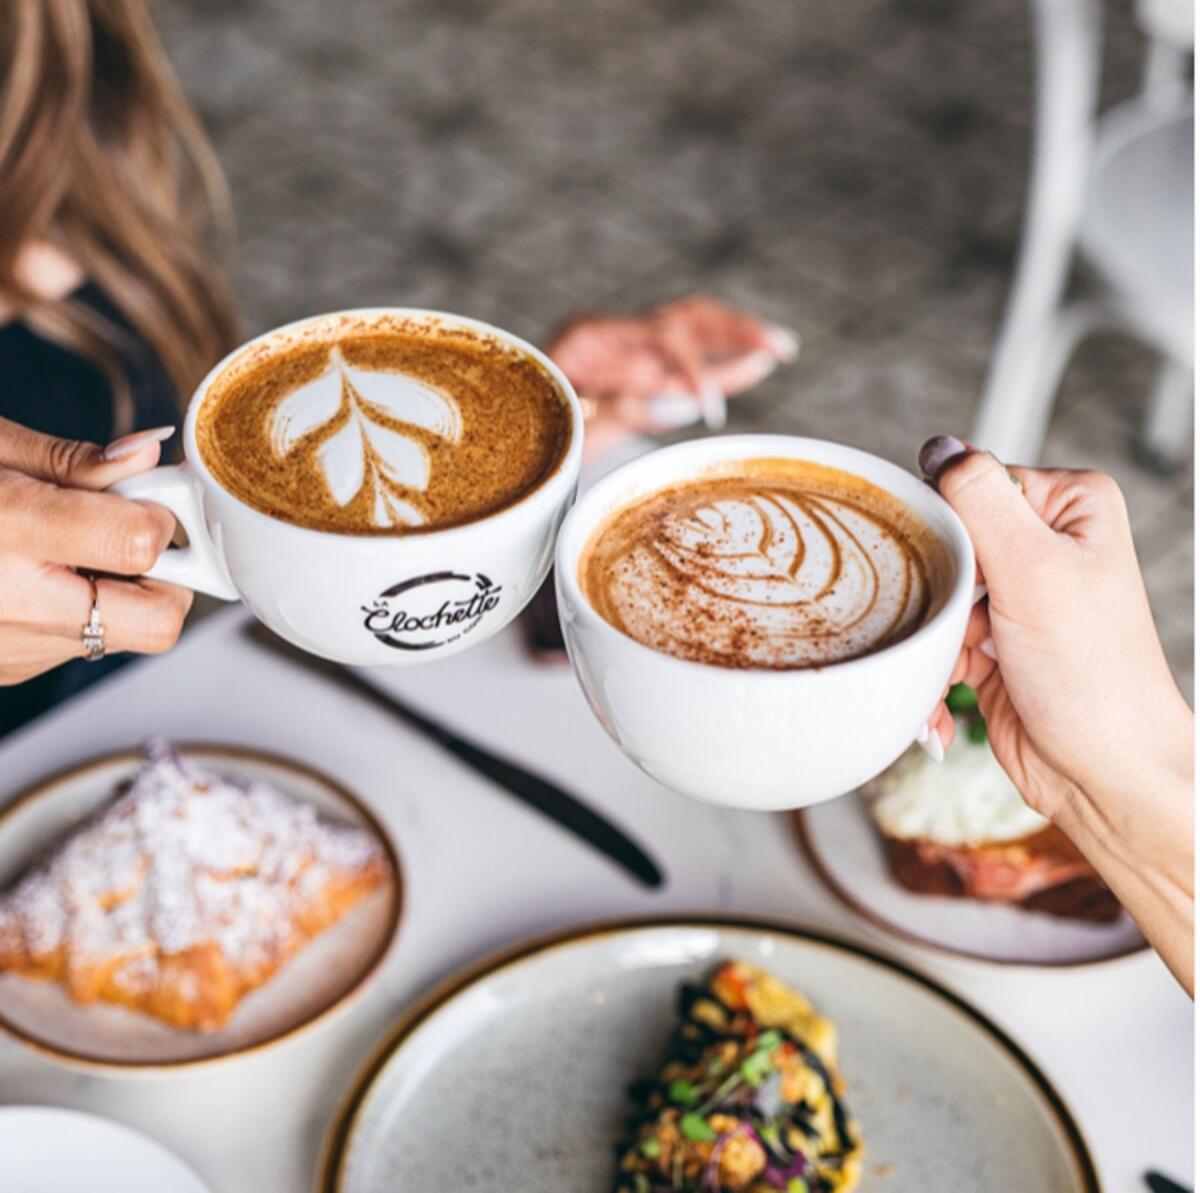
<point x="185" y="893"/>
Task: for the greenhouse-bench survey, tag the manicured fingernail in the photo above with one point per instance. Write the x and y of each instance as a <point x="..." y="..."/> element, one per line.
<point x="979" y="593"/>
<point x="712" y="406"/>
<point x="932" y="745"/>
<point x="668" y="410"/>
<point x="127" y="445"/>
<point x="988" y="647"/>
<point x="937" y="453"/>
<point x="759" y="366"/>
<point x="923" y="734"/>
<point x="785" y="344"/>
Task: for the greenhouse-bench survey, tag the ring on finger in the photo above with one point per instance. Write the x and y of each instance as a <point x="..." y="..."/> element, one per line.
<point x="93" y="630"/>
<point x="1012" y="476"/>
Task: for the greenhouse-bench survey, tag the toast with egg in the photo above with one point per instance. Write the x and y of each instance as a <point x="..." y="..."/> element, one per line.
<point x="960" y="828"/>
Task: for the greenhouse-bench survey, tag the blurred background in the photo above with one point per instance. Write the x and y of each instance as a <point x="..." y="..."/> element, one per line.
<point x="855" y="171"/>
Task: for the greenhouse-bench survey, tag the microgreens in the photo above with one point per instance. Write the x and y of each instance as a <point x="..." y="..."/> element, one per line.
<point x="682" y="1093"/>
<point x="696" y="1129"/>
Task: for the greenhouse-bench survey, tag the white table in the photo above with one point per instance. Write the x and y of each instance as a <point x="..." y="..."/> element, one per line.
<point x="481" y="871"/>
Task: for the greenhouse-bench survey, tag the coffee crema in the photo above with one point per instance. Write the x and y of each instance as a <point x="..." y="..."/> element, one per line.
<point x="382" y="425"/>
<point x="772" y="563"/>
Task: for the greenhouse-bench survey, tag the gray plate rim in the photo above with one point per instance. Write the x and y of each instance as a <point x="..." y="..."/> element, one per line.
<point x="881" y="924"/>
<point x="331" y="1166"/>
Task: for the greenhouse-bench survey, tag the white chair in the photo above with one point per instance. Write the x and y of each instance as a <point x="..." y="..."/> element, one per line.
<point x="1119" y="190"/>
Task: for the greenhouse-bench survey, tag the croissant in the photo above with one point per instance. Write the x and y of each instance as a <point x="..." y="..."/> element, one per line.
<point x="184" y="894"/>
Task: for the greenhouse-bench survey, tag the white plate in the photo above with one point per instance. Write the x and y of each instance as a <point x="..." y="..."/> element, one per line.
<point x="46" y="1150"/>
<point x="515" y="1076"/>
<point x="321" y="977"/>
<point x="848" y="855"/>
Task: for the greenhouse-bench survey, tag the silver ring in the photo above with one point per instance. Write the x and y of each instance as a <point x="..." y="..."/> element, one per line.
<point x="93" y="631"/>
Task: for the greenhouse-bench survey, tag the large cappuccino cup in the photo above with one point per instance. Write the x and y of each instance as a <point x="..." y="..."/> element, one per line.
<point x="759" y="737"/>
<point x="387" y="599"/>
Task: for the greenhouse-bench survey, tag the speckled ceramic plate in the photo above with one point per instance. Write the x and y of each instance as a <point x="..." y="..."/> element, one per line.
<point x="514" y="1076"/>
<point x="847" y="853"/>
<point x="47" y="1150"/>
<point x="323" y="976"/>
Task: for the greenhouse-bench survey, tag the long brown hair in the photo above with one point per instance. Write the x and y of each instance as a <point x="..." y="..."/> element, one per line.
<point x="101" y="154"/>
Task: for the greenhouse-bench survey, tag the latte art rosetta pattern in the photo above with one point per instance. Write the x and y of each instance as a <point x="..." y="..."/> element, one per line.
<point x="366" y="451"/>
<point x="757" y="574"/>
<point x="382" y="424"/>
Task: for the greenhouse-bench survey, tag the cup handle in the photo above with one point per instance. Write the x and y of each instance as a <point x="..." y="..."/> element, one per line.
<point x="199" y="565"/>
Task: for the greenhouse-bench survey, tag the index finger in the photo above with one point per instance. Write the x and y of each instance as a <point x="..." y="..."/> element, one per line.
<point x="74" y="463"/>
<point x="1071" y="501"/>
<point x="97" y="531"/>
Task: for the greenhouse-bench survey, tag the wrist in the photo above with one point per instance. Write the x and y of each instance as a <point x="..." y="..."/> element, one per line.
<point x="1152" y="766"/>
<point x="1141" y="843"/>
<point x="1140" y="811"/>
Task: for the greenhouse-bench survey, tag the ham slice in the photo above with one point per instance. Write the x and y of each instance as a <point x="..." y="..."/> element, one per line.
<point x="1043" y="871"/>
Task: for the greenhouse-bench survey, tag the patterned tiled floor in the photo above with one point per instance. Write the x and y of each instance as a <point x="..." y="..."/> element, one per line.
<point x="853" y="170"/>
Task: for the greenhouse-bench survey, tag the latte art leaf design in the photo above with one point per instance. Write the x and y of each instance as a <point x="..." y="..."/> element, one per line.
<point x="364" y="448"/>
<point x="344" y="461"/>
<point x="768" y="549"/>
<point x="305" y="410"/>
<point x="780" y="575"/>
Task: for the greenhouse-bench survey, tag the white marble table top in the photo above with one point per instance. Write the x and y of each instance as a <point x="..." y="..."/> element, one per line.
<point x="482" y="871"/>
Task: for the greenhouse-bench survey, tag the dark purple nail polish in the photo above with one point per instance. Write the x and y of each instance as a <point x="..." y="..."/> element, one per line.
<point x="937" y="453"/>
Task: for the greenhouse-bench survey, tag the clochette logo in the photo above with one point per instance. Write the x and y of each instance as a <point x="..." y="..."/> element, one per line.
<point x="433" y="610"/>
<point x="365" y="450"/>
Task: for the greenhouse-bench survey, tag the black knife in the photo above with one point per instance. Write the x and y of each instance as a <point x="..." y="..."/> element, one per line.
<point x="567" y="811"/>
<point x="1158" y="1183"/>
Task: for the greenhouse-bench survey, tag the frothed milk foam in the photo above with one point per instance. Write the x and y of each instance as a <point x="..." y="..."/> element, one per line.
<point x="382" y="424"/>
<point x="766" y="564"/>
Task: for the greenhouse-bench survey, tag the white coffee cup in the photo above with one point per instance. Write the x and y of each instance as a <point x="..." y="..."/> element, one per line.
<point x="396" y="600"/>
<point x="761" y="739"/>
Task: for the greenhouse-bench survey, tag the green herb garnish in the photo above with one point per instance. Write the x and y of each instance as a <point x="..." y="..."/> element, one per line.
<point x="757" y="1067"/>
<point x="682" y="1093"/>
<point x="962" y="699"/>
<point x="977" y="731"/>
<point x="768" y="1039"/>
<point x="696" y="1129"/>
<point x="797" y="1185"/>
<point x="651" y="1149"/>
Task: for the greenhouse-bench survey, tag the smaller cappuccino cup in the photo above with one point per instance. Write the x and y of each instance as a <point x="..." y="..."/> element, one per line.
<point x="758" y="736"/>
<point x="361" y="599"/>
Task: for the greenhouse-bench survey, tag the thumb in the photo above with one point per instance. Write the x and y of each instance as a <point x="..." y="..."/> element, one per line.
<point x="74" y="464"/>
<point x="1003" y="526"/>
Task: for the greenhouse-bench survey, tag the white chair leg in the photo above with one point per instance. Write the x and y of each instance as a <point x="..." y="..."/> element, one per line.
<point x="1168" y="431"/>
<point x="1165" y="81"/>
<point x="1067" y="82"/>
<point x="1048" y="356"/>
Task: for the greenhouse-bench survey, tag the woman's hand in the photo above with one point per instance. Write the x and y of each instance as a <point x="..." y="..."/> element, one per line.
<point x="669" y="366"/>
<point x="1081" y="708"/>
<point x="54" y="518"/>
